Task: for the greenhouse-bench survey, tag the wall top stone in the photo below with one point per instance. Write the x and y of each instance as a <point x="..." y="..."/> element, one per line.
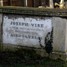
<point x="34" y="11"/>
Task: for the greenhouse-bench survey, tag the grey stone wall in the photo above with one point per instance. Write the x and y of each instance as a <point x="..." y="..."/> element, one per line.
<point x="1" y="31"/>
<point x="0" y="27"/>
<point x="59" y="34"/>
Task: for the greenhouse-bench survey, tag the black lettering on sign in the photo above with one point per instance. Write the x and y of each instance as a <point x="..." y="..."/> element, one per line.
<point x="24" y="36"/>
<point x="19" y="23"/>
<point x="37" y="25"/>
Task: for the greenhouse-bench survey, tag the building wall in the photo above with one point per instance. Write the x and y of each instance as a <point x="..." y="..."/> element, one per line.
<point x="30" y="3"/>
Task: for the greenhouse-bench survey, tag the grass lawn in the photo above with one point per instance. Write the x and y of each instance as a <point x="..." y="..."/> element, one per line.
<point x="45" y="63"/>
<point x="17" y="59"/>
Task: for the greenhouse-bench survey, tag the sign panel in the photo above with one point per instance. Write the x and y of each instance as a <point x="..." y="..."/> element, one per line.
<point x="26" y="30"/>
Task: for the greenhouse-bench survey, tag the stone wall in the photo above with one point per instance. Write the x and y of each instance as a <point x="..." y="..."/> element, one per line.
<point x="0" y="31"/>
<point x="59" y="36"/>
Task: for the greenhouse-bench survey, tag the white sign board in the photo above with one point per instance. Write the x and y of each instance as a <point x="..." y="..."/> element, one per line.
<point x="25" y="31"/>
